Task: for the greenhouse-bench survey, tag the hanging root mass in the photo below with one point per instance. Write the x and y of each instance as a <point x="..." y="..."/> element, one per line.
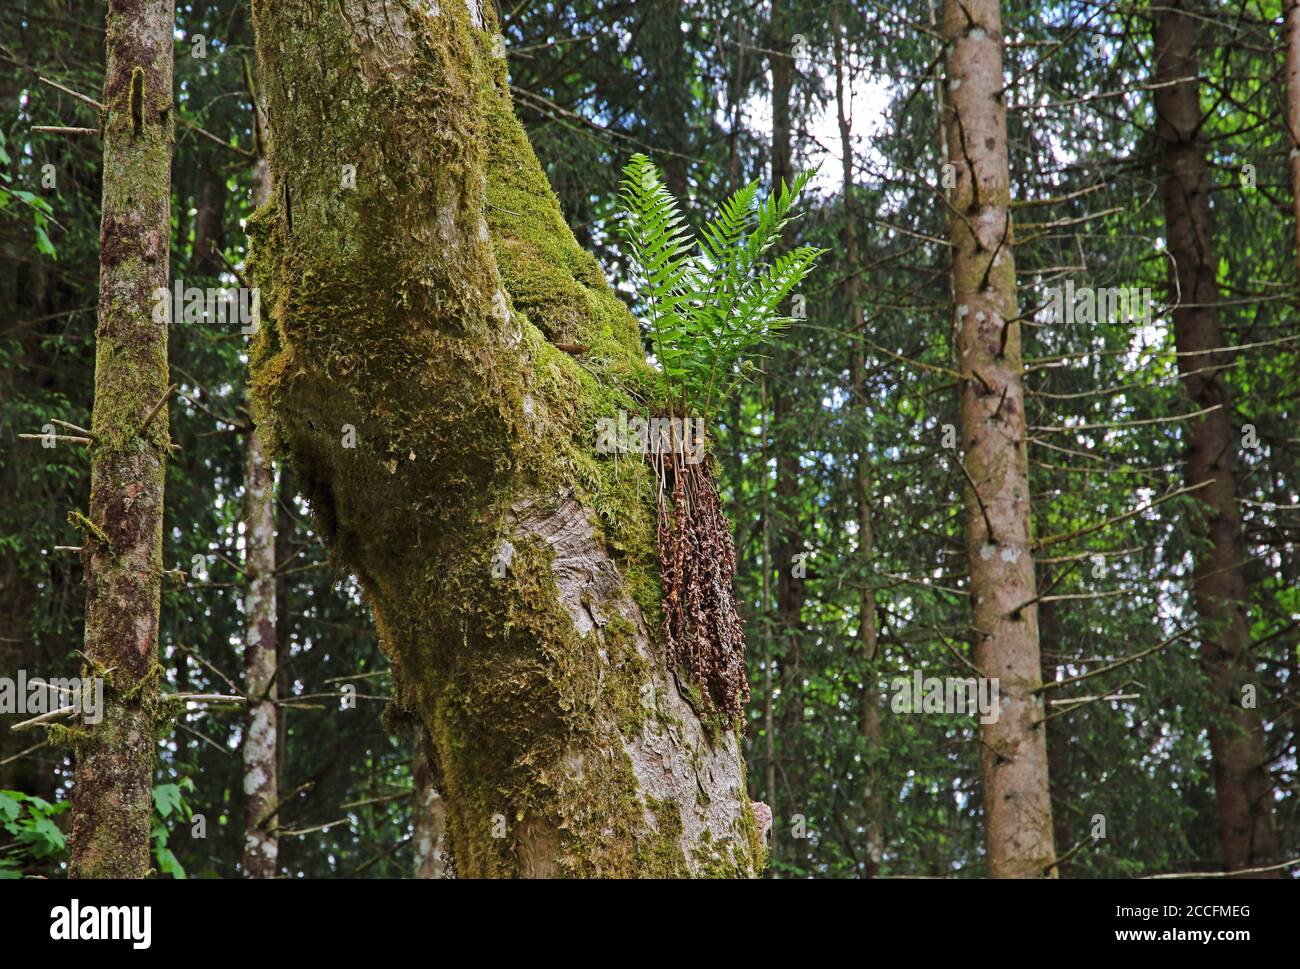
<point x="702" y="632"/>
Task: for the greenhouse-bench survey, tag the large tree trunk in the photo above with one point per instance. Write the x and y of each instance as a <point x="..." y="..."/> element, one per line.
<point x="1242" y="787"/>
<point x="1013" y="752"/>
<point x="873" y="802"/>
<point x="112" y="799"/>
<point x="447" y="447"/>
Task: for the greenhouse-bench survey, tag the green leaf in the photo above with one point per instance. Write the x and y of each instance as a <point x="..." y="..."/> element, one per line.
<point x="10" y="807"/>
<point x="167" y="798"/>
<point x="49" y="832"/>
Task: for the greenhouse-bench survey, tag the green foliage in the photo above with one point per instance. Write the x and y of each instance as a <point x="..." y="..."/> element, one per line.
<point x="709" y="307"/>
<point x="42" y="213"/>
<point x="30" y="821"/>
<point x="1146" y="760"/>
<point x="169" y="800"/>
<point x="39" y="843"/>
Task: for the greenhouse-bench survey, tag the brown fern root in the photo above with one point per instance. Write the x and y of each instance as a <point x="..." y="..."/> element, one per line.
<point x="702" y="632"/>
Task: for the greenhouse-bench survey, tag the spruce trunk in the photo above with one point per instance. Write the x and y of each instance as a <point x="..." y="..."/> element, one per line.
<point x="999" y="533"/>
<point x="112" y="799"/>
<point x="1243" y="789"/>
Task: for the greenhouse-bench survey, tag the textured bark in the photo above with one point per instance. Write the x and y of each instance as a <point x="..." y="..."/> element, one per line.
<point x="1243" y="789"/>
<point x="430" y="822"/>
<point x="112" y="796"/>
<point x="1013" y="751"/>
<point x="261" y="615"/>
<point x="261" y="845"/>
<point x="510" y="571"/>
<point x="284" y="552"/>
<point x="873" y="802"/>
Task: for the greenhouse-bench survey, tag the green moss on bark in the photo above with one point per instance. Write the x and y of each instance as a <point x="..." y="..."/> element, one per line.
<point x="400" y="309"/>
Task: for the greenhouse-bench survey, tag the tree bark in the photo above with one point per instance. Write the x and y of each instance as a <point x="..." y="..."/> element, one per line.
<point x="261" y="845"/>
<point x="873" y="803"/>
<point x="261" y="615"/>
<point x="1013" y="751"/>
<point x="209" y="225"/>
<point x="1243" y="788"/>
<point x="446" y="448"/>
<point x="285" y="529"/>
<point x="430" y="821"/>
<point x="112" y="799"/>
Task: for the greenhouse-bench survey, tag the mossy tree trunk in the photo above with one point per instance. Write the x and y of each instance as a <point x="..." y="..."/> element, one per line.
<point x="1243" y="788"/>
<point x="446" y="446"/>
<point x="1013" y="752"/>
<point x="112" y="799"/>
<point x="261" y="639"/>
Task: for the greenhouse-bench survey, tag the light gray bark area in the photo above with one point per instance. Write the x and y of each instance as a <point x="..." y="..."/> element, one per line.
<point x="261" y="738"/>
<point x="674" y="759"/>
<point x="261" y="845"/>
<point x="429" y="828"/>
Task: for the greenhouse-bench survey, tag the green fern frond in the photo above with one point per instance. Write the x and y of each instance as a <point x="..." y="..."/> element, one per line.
<point x="707" y="308"/>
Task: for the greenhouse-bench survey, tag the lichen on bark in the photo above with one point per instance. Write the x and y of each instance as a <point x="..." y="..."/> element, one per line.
<point x="112" y="797"/>
<point x="510" y="572"/>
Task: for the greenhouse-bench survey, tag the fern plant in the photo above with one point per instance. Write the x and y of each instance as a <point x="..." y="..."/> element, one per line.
<point x="709" y="301"/>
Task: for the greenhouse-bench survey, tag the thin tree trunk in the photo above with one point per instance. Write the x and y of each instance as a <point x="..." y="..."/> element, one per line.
<point x="209" y="224"/>
<point x="261" y="648"/>
<point x="873" y="803"/>
<point x="112" y="799"/>
<point x="1243" y="789"/>
<point x="284" y="532"/>
<point x="1292" y="27"/>
<point x="1013" y="751"/>
<point x="446" y="448"/>
<point x="261" y="845"/>
<point x="788" y="542"/>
